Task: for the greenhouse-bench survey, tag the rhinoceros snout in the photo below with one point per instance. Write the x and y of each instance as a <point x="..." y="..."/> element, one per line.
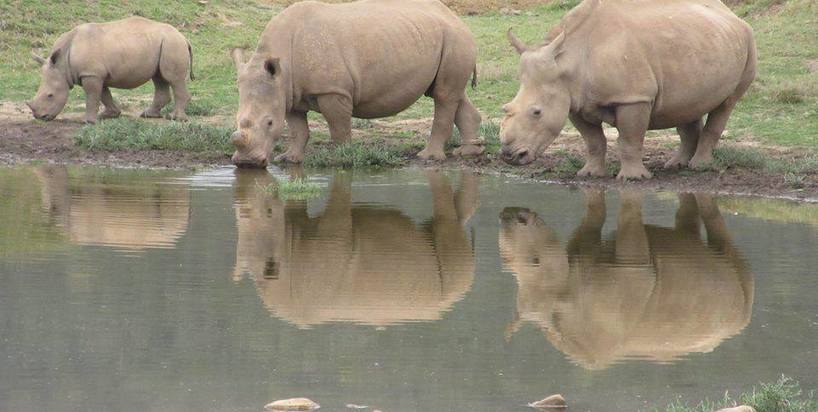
<point x="248" y="162"/>
<point x="517" y="156"/>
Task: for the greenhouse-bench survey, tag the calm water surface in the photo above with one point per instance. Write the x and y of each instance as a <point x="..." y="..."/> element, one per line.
<point x="405" y="290"/>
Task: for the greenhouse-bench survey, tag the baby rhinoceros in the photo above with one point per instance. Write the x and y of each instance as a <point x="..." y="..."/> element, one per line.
<point x="636" y="65"/>
<point x="122" y="54"/>
<point x="366" y="59"/>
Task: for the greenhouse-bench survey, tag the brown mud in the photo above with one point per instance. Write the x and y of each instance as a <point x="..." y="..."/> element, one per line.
<point x="23" y="140"/>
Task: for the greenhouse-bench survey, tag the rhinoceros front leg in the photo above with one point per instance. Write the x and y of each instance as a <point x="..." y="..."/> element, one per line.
<point x="442" y="127"/>
<point x="299" y="135"/>
<point x="93" y="94"/>
<point x="111" y="110"/>
<point x="337" y="110"/>
<point x="595" y="147"/>
<point x="632" y="121"/>
<point x="467" y="119"/>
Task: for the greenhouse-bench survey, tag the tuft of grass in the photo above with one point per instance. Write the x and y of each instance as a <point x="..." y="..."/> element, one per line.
<point x="355" y="155"/>
<point x="728" y="156"/>
<point x="295" y="189"/>
<point x="135" y="134"/>
<point x="785" y="395"/>
<point x="570" y="163"/>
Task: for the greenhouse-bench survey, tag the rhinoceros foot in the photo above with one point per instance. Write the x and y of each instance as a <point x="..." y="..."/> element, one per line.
<point x="593" y="170"/>
<point x="151" y="114"/>
<point x="289" y="157"/>
<point x="635" y="172"/>
<point x="110" y="114"/>
<point x="179" y="117"/>
<point x="469" y="150"/>
<point x="429" y="154"/>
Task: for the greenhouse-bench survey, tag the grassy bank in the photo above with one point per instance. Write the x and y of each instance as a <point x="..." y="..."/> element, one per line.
<point x="785" y="395"/>
<point x="781" y="107"/>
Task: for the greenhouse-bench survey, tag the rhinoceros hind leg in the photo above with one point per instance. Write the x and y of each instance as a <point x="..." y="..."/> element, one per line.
<point x="716" y="122"/>
<point x="161" y="98"/>
<point x="111" y="110"/>
<point x="689" y="134"/>
<point x="337" y="109"/>
<point x="467" y="119"/>
<point x="632" y="121"/>
<point x="595" y="147"/>
<point x="180" y="99"/>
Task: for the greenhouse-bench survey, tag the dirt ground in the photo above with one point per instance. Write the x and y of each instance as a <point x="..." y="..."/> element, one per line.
<point x="24" y="140"/>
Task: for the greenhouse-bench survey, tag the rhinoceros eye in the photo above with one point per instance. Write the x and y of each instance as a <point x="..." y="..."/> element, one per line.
<point x="50" y="95"/>
<point x="536" y="112"/>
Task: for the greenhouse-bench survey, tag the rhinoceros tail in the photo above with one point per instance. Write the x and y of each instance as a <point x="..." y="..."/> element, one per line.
<point x="190" y="53"/>
<point x="474" y="78"/>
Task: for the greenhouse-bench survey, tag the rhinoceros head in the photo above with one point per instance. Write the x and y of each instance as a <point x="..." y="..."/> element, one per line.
<point x="53" y="92"/>
<point x="262" y="108"/>
<point x="538" y="113"/>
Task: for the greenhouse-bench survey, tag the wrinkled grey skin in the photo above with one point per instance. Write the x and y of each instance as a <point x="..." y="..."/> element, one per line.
<point x="121" y="54"/>
<point x="637" y="66"/>
<point x="366" y="59"/>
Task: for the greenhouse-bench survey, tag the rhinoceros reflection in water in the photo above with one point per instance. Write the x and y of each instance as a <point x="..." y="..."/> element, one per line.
<point x="361" y="264"/>
<point x="648" y="292"/>
<point x="136" y="214"/>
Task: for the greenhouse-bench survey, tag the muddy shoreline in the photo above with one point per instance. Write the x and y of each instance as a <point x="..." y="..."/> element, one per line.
<point x="26" y="141"/>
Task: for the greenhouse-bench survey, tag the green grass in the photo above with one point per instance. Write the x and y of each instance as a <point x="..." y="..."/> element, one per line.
<point x="355" y="155"/>
<point x="780" y="108"/>
<point x="785" y="395"/>
<point x="727" y="156"/>
<point x="127" y="133"/>
<point x="295" y="189"/>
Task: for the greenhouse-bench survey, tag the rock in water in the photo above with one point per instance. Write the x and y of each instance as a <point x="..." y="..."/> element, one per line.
<point x="551" y="402"/>
<point x="294" y="404"/>
<point x="742" y="408"/>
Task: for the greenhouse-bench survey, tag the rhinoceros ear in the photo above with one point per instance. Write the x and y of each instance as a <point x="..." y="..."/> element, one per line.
<point x="554" y="49"/>
<point x="517" y="43"/>
<point x="273" y="66"/>
<point x="38" y="59"/>
<point x="55" y="56"/>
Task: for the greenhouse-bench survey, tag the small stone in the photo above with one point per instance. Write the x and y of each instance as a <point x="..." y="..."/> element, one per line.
<point x="354" y="406"/>
<point x="551" y="402"/>
<point x="742" y="408"/>
<point x="294" y="404"/>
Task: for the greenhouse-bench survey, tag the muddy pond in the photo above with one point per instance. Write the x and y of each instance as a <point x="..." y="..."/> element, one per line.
<point x="407" y="290"/>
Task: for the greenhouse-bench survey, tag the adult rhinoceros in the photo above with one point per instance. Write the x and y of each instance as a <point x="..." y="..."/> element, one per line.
<point x="367" y="59"/>
<point x="636" y="65"/>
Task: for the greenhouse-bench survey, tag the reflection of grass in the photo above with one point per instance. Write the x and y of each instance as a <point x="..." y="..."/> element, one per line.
<point x="785" y="395"/>
<point x="772" y="209"/>
<point x="24" y="227"/>
<point x="137" y="134"/>
<point x="296" y="189"/>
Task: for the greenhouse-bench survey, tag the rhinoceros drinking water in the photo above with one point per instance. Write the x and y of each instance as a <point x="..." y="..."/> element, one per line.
<point x="122" y="54"/>
<point x="367" y="59"/>
<point x="636" y="65"/>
